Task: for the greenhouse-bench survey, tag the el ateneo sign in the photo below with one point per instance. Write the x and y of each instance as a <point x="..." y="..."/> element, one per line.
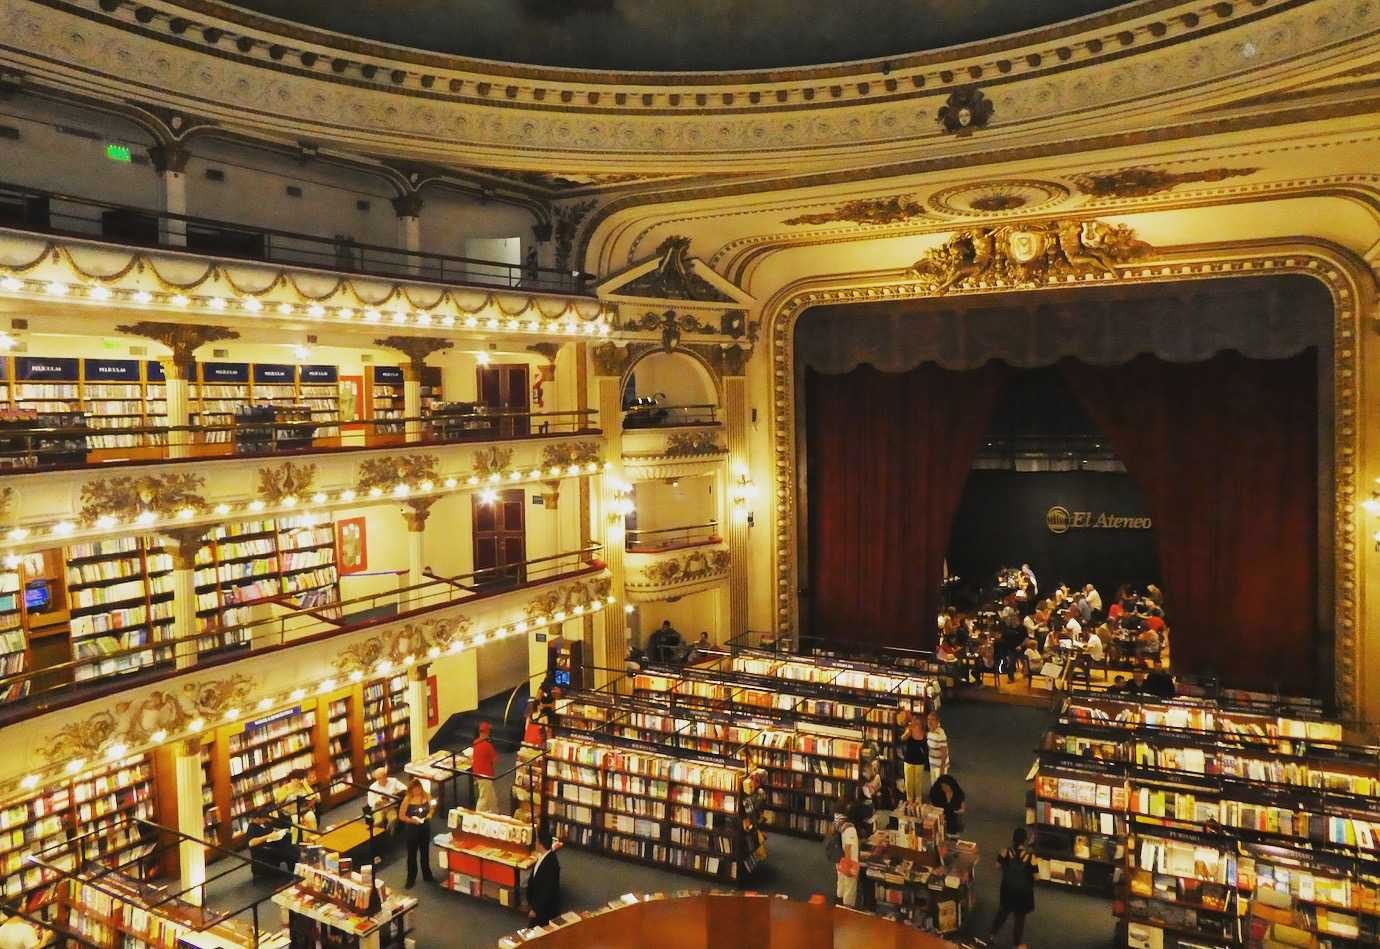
<point x="1060" y="520"/>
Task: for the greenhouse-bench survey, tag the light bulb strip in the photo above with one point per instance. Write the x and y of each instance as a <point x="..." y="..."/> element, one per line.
<point x="38" y="534"/>
<point x="268" y="706"/>
<point x="423" y="318"/>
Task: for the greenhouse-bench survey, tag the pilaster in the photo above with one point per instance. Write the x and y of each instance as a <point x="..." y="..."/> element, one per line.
<point x="409" y="211"/>
<point x="610" y="644"/>
<point x="740" y="516"/>
<point x="170" y="162"/>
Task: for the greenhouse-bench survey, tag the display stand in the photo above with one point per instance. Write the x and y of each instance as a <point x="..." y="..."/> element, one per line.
<point x="443" y="769"/>
<point x="487" y="856"/>
<point x="339" y="907"/>
<point x="918" y="876"/>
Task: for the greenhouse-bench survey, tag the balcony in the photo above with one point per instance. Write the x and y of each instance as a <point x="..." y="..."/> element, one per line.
<point x="665" y="539"/>
<point x="49" y="213"/>
<point x="35" y="692"/>
<point x="652" y="414"/>
<point x="29" y="444"/>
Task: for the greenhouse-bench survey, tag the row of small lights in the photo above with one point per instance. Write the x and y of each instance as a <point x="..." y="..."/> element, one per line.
<point x="316" y="311"/>
<point x="151" y="521"/>
<point x="384" y="667"/>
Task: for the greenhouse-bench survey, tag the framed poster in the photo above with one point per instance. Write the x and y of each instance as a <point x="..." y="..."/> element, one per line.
<point x="351" y="400"/>
<point x="351" y="546"/>
<point x="433" y="702"/>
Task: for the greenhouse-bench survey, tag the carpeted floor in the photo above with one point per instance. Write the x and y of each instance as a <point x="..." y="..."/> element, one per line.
<point x="992" y="750"/>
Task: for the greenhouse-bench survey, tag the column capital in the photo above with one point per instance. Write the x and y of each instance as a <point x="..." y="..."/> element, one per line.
<point x="183" y="340"/>
<point x="183" y="544"/>
<point x="416" y="348"/>
<point x="169" y="159"/>
<point x="408" y="205"/>
<point x="416" y="512"/>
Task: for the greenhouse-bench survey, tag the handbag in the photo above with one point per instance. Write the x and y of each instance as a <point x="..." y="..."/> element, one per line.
<point x="847" y="867"/>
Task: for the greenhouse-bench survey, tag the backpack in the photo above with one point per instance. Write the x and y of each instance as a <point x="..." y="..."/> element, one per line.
<point x="833" y="846"/>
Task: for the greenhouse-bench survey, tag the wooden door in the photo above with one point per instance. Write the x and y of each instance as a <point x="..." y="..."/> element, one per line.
<point x="504" y="387"/>
<point x="500" y="540"/>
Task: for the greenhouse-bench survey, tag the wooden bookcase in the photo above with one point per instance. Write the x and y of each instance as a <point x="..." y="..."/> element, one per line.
<point x="385" y="399"/>
<point x="119" y="595"/>
<point x="339" y="745"/>
<point x="386" y="726"/>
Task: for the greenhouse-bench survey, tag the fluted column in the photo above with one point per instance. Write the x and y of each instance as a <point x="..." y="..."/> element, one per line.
<point x="415" y="513"/>
<point x="178" y="389"/>
<point x="416" y="710"/>
<point x="170" y="162"/>
<point x="191" y="855"/>
<point x="409" y="210"/>
<point x="736" y="431"/>
<point x="182" y="544"/>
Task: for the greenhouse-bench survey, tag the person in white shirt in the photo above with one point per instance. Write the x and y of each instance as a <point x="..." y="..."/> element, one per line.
<point x="1073" y="628"/>
<point x="938" y="740"/>
<point x="1094" y="598"/>
<point x="847" y="869"/>
<point x="1030" y="575"/>
<point x="1094" y="647"/>
<point x="384" y="795"/>
<point x="16" y="933"/>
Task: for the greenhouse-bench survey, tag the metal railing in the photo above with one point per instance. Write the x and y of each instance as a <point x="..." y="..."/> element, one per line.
<point x="28" y="447"/>
<point x="52" y="213"/>
<point x="671" y="538"/>
<point x="35" y="691"/>
<point x="666" y="416"/>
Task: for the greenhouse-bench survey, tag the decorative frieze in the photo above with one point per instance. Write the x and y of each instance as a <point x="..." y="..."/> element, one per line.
<point x="386" y="473"/>
<point x="148" y="496"/>
<point x="288" y="480"/>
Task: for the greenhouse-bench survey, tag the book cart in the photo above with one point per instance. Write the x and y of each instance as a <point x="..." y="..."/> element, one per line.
<point x="633" y="800"/>
<point x="1210" y="824"/>
<point x="805" y="767"/>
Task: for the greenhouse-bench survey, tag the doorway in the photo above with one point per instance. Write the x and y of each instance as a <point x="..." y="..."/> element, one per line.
<point x="503" y="389"/>
<point x="500" y="541"/>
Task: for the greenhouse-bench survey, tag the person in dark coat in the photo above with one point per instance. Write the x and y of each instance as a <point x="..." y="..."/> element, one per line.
<point x="1017" y="895"/>
<point x="544" y="883"/>
<point x="270" y="842"/>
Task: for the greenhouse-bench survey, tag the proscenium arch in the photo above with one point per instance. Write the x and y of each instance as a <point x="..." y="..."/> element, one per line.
<point x="1350" y="284"/>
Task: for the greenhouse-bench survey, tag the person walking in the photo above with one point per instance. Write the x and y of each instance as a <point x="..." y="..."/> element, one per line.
<point x="544" y="882"/>
<point x="1017" y="894"/>
<point x="915" y="758"/>
<point x="847" y="868"/>
<point x="483" y="761"/>
<point x="937" y="741"/>
<point x="414" y="814"/>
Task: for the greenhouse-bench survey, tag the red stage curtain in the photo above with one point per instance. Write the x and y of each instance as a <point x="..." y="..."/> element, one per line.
<point x="1226" y="453"/>
<point x="888" y="455"/>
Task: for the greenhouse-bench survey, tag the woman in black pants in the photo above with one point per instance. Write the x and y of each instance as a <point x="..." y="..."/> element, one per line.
<point x="414" y="816"/>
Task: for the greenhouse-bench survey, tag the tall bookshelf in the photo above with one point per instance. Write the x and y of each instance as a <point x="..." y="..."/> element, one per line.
<point x="809" y="767"/>
<point x="235" y="570"/>
<point x="387" y="729"/>
<point x="261" y="755"/>
<point x="307" y="565"/>
<point x="97" y="803"/>
<point x="220" y="393"/>
<point x="118" y="395"/>
<point x="14" y="644"/>
<point x="684" y="811"/>
<point x="319" y="389"/>
<point x="120" y="597"/>
<point x="432" y="391"/>
<point x="338" y="767"/>
<point x="386" y="399"/>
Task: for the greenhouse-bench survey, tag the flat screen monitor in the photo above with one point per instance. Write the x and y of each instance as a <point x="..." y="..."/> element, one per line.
<point x="37" y="595"/>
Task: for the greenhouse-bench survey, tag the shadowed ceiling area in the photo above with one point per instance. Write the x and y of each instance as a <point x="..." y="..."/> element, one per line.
<point x="676" y="36"/>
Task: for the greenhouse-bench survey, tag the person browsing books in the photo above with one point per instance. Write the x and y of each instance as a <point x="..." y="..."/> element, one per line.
<point x="414" y="814"/>
<point x="270" y="842"/>
<point x="298" y="799"/>
<point x="544" y="883"/>
<point x="483" y="763"/>
<point x="915" y="759"/>
<point x="1016" y="897"/>
<point x="384" y="794"/>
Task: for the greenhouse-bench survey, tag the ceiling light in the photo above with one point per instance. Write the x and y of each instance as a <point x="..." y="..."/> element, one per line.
<point x="100" y="293"/>
<point x="143" y="297"/>
<point x="179" y="299"/>
<point x="56" y="289"/>
<point x="216" y="303"/>
<point x="252" y="305"/>
<point x="11" y="285"/>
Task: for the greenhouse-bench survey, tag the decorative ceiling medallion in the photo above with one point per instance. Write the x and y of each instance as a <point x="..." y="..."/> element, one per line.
<point x="896" y="210"/>
<point x="1141" y="182"/>
<point x="991" y="198"/>
<point x="965" y="110"/>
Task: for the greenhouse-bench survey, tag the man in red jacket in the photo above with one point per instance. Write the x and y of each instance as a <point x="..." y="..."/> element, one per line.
<point x="484" y="759"/>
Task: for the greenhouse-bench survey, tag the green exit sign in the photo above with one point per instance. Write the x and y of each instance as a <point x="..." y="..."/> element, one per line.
<point x="118" y="153"/>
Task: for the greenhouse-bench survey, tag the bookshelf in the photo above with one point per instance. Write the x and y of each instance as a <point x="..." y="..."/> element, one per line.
<point x="684" y="812"/>
<point x="843" y="674"/>
<point x="120" y="596"/>
<point x="118" y="395"/>
<point x="431" y="389"/>
<point x="14" y="644"/>
<point x="319" y="390"/>
<point x="210" y="810"/>
<point x="386" y="730"/>
<point x="97" y="802"/>
<point x="339" y="763"/>
<point x="306" y="564"/>
<point x="260" y="755"/>
<point x="235" y="570"/>
<point x="487" y="856"/>
<point x="220" y="393"/>
<point x="386" y="399"/>
<point x="809" y="767"/>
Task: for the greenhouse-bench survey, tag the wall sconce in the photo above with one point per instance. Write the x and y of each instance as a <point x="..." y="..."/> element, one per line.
<point x="621" y="503"/>
<point x="742" y="491"/>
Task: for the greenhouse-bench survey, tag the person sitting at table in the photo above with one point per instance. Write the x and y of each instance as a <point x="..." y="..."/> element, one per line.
<point x="1051" y="643"/>
<point x="1030" y="576"/>
<point x="663" y="642"/>
<point x="700" y="651"/>
<point x="384" y="794"/>
<point x="1148" y="646"/>
<point x="269" y="836"/>
<point x="1155" y="595"/>
<point x="298" y="799"/>
<point x="1072" y="628"/>
<point x="1093" y="597"/>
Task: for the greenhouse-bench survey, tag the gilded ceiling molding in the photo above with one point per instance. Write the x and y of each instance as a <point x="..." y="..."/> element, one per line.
<point x="877" y="211"/>
<point x="965" y="111"/>
<point x="385" y="473"/>
<point x="1353" y="290"/>
<point x="998" y="196"/>
<point x="399" y="646"/>
<point x="683" y="444"/>
<point x="415" y="348"/>
<point x="183" y="339"/>
<point x="489" y="462"/>
<point x="565" y="224"/>
<point x="581" y="594"/>
<point x="1142" y="182"/>
<point x="128" y="498"/>
<point x="288" y="480"/>
<point x="674" y="570"/>
<point x="1028" y="255"/>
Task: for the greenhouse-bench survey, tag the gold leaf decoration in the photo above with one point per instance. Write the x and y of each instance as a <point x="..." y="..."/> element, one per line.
<point x="565" y="454"/>
<point x="388" y="472"/>
<point x="583" y="593"/>
<point x="126" y="498"/>
<point x="492" y="461"/>
<point x="893" y="210"/>
<point x="680" y="444"/>
<point x="83" y="739"/>
<point x="286" y="481"/>
<point x="1142" y="182"/>
<point x="211" y="698"/>
<point x="686" y="568"/>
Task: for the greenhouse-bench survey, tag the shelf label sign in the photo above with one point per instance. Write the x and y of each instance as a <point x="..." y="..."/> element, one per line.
<point x="388" y="374"/>
<point x="38" y="368"/>
<point x="225" y="372"/>
<point x="318" y="373"/>
<point x="270" y="374"/>
<point x="112" y="370"/>
<point x="154" y="370"/>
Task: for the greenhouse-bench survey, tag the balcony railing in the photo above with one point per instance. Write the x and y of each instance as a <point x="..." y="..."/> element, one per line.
<point x="35" y="691"/>
<point x="29" y="445"/>
<point x="666" y="416"/>
<point x="46" y="212"/>
<point x="671" y="538"/>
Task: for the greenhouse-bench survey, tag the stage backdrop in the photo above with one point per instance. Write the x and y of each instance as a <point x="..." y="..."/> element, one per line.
<point x="1075" y="526"/>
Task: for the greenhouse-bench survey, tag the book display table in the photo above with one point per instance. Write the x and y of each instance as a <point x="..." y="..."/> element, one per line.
<point x="487" y="856"/>
<point x="932" y="889"/>
<point x="334" y="906"/>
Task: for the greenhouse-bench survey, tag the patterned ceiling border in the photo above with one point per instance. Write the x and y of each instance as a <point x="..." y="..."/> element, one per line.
<point x="1347" y="279"/>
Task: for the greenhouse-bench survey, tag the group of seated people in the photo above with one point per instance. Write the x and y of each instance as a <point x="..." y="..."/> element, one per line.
<point x="665" y="646"/>
<point x="1018" y="634"/>
<point x="277" y="829"/>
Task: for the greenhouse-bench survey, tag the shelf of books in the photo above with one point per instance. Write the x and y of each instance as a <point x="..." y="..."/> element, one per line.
<point x="386" y="399"/>
<point x="487" y="856"/>
<point x="120" y="597"/>
<point x="387" y="730"/>
<point x="219" y="394"/>
<point x="318" y="388"/>
<point x="94" y="806"/>
<point x="839" y="673"/>
<point x="339" y="763"/>
<point x="306" y="563"/>
<point x="683" y="811"/>
<point x="1109" y="763"/>
<point x="235" y="569"/>
<point x="14" y="645"/>
<point x="262" y="754"/>
<point x="118" y="396"/>
<point x="808" y="767"/>
<point x="431" y="391"/>
<point x="210" y="811"/>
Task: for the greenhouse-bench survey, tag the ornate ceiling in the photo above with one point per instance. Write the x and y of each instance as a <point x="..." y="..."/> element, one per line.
<point x="689" y="35"/>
